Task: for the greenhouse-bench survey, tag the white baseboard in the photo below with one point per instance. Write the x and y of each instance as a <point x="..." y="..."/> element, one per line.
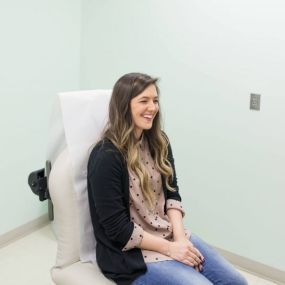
<point x="23" y="230"/>
<point x="254" y="267"/>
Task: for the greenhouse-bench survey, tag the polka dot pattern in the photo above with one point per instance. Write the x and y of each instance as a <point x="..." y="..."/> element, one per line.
<point x="174" y="204"/>
<point x="153" y="221"/>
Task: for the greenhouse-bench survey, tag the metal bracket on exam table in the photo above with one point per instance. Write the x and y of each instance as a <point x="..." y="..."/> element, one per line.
<point x="38" y="182"/>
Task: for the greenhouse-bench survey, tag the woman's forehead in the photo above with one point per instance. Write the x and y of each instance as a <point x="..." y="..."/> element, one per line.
<point x="149" y="92"/>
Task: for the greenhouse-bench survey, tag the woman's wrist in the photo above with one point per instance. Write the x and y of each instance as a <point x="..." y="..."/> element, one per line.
<point x="166" y="248"/>
<point x="180" y="237"/>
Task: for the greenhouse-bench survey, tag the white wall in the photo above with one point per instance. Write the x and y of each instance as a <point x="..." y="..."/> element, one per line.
<point x="210" y="56"/>
<point x="39" y="55"/>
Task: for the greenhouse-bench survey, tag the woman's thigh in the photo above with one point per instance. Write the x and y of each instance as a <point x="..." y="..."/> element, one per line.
<point x="215" y="268"/>
<point x="171" y="272"/>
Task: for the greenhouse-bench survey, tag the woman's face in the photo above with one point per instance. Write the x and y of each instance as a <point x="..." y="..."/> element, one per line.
<point x="144" y="107"/>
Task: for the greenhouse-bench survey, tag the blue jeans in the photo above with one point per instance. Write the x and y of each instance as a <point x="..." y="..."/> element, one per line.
<point x="216" y="270"/>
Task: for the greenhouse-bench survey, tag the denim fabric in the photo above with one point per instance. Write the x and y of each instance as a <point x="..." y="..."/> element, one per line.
<point x="216" y="270"/>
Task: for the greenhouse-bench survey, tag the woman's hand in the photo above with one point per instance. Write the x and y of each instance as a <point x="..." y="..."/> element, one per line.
<point x="184" y="251"/>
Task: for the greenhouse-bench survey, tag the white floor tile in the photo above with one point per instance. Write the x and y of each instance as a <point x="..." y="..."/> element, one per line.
<point x="255" y="280"/>
<point x="28" y="260"/>
<point x="264" y="282"/>
<point x="251" y="279"/>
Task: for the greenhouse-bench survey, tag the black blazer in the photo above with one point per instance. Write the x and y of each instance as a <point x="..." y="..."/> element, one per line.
<point x="108" y="191"/>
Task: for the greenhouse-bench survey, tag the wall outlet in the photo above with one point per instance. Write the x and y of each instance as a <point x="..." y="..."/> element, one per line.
<point x="254" y="101"/>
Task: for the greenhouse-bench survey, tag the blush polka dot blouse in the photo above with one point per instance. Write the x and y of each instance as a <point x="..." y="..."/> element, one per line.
<point x="155" y="222"/>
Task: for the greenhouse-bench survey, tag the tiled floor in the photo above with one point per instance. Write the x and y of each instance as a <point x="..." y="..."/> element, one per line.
<point x="28" y="260"/>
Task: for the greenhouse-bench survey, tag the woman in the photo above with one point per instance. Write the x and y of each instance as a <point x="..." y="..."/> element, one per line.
<point x="134" y="201"/>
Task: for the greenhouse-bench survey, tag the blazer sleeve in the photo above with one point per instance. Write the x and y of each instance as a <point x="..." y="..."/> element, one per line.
<point x="173" y="195"/>
<point x="169" y="194"/>
<point x="105" y="178"/>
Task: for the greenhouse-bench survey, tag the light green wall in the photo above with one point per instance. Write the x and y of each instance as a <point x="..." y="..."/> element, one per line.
<point x="39" y="55"/>
<point x="210" y="56"/>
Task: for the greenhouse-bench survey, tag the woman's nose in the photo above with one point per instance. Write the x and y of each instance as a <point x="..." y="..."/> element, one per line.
<point x="152" y="106"/>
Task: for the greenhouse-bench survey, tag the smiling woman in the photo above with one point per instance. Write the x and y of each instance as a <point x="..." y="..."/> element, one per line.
<point x="134" y="201"/>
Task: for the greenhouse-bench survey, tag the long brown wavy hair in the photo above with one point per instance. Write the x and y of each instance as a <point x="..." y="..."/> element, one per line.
<point x="120" y="131"/>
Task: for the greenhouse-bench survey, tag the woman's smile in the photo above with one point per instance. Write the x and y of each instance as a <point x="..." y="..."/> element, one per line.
<point x="144" y="108"/>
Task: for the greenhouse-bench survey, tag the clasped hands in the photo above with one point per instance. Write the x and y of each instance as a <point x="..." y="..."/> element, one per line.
<point x="184" y="251"/>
